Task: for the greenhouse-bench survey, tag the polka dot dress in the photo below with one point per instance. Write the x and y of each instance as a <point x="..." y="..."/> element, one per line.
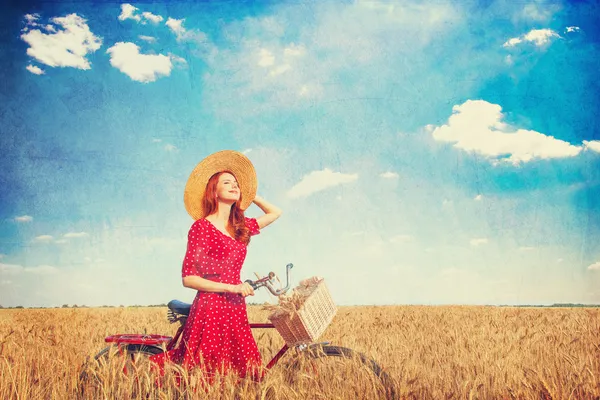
<point x="217" y="336"/>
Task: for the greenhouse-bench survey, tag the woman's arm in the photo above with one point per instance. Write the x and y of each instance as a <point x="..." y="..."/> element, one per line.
<point x="271" y="212"/>
<point x="206" y="285"/>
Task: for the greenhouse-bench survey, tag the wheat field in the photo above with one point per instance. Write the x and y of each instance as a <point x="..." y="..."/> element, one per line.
<point x="430" y="352"/>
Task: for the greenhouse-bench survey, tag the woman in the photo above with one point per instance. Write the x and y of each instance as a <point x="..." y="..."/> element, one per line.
<point x="217" y="334"/>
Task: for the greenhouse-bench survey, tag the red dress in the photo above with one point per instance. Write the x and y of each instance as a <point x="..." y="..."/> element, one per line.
<point x="217" y="335"/>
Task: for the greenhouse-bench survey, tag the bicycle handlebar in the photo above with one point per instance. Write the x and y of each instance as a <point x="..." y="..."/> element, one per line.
<point x="267" y="280"/>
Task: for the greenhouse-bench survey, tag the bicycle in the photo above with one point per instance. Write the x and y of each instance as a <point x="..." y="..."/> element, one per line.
<point x="140" y="346"/>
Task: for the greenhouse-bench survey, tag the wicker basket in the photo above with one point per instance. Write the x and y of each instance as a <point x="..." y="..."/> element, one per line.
<point x="310" y="321"/>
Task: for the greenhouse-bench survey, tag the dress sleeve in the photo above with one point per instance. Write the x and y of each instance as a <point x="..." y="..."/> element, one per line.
<point x="199" y="259"/>
<point x="253" y="226"/>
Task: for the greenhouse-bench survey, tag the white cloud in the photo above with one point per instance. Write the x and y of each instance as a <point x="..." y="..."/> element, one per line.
<point x="319" y="180"/>
<point x="478" y="197"/>
<point x="156" y="140"/>
<point x="152" y="17"/>
<point x="61" y="241"/>
<point x="539" y="37"/>
<point x="68" y="47"/>
<point x="35" y="69"/>
<point x="594" y="267"/>
<point x="75" y="235"/>
<point x="246" y="151"/>
<point x="181" y="33"/>
<point x="277" y="64"/>
<point x="559" y="260"/>
<point x="149" y="39"/>
<point x="2" y="256"/>
<point x="170" y="148"/>
<point x="389" y="175"/>
<point x="265" y="58"/>
<point x="43" y="238"/>
<point x="126" y="57"/>
<point x="571" y="29"/>
<point x="512" y="42"/>
<point x="478" y="241"/>
<point x="176" y="26"/>
<point x="593" y="145"/>
<point x="177" y="59"/>
<point x="32" y="18"/>
<point x="280" y="63"/>
<point x="476" y="126"/>
<point x="24" y="218"/>
<point x="128" y="12"/>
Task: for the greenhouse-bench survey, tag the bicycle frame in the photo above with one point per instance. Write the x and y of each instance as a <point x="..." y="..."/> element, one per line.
<point x="281" y="352"/>
<point x="170" y="342"/>
<point x="160" y="341"/>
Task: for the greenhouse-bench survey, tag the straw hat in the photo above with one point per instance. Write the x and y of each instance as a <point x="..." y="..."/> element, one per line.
<point x="225" y="160"/>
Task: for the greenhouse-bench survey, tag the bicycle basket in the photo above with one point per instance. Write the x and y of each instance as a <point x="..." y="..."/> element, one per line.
<point x="309" y="321"/>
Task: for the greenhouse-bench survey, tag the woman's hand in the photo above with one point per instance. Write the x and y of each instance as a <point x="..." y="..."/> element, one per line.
<point x="243" y="289"/>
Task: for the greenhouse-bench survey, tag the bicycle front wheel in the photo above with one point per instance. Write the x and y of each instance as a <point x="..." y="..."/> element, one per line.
<point x="339" y="372"/>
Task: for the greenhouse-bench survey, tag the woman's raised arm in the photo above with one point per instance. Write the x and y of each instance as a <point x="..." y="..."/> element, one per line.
<point x="271" y="212"/>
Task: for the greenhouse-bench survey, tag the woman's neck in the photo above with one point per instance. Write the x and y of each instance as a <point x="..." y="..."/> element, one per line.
<point x="222" y="213"/>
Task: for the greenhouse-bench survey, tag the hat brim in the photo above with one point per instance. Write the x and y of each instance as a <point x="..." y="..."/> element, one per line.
<point x="225" y="160"/>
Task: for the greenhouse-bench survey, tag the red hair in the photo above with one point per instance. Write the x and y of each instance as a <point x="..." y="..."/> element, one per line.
<point x="237" y="221"/>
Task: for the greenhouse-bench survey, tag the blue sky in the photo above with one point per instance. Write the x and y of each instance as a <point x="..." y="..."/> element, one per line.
<point x="423" y="152"/>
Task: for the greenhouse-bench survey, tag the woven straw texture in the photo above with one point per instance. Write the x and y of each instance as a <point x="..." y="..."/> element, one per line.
<point x="225" y="160"/>
<point x="310" y="321"/>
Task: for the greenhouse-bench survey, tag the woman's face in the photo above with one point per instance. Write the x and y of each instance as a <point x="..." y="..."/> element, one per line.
<point x="227" y="188"/>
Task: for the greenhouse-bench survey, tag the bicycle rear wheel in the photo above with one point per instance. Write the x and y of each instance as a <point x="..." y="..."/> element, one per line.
<point x="127" y="359"/>
<point x="339" y="372"/>
<point x="134" y="355"/>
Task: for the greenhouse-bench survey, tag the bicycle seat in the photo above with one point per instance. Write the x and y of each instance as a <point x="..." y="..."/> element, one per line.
<point x="179" y="307"/>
